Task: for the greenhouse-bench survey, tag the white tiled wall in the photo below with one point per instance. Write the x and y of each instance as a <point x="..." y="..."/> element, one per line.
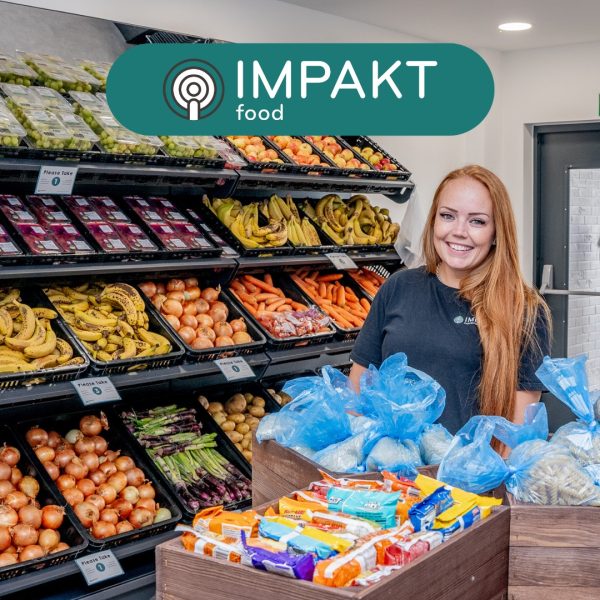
<point x="584" y="269"/>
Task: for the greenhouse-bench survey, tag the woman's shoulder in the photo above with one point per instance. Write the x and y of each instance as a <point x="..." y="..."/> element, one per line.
<point x="409" y="276"/>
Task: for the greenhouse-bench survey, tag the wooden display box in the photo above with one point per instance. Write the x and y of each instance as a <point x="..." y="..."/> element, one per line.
<point x="554" y="552"/>
<point x="473" y="565"/>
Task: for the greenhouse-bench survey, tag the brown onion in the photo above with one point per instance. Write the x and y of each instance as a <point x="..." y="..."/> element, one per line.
<point x="7" y="558"/>
<point x="84" y="445"/>
<point x="49" y="539"/>
<point x="90" y="425"/>
<point x="31" y="552"/>
<point x="30" y="515"/>
<point x="217" y="314"/>
<point x="189" y="308"/>
<point x="24" y="535"/>
<point x="148" y="287"/>
<point x="124" y="463"/>
<point x="102" y="530"/>
<point x="8" y="516"/>
<point x="189" y="321"/>
<point x="5" y="471"/>
<point x="52" y="516"/>
<point x="98" y="477"/>
<point x="108" y="491"/>
<point x="73" y="496"/>
<point x="238" y="325"/>
<point x="158" y="301"/>
<point x="201" y="343"/>
<point x="192" y="293"/>
<point x="210" y="294"/>
<point x="87" y="486"/>
<point x="100" y="445"/>
<point x="204" y="321"/>
<point x="54" y="439"/>
<point x="10" y="455"/>
<point x="173" y="321"/>
<point x="146" y="503"/>
<point x="5" y="539"/>
<point x="110" y="515"/>
<point x="130" y="493"/>
<point x="45" y="453"/>
<point x="6" y="487"/>
<point x="66" y="482"/>
<point x="90" y="460"/>
<point x="187" y="334"/>
<point x="29" y="486"/>
<point x="59" y="548"/>
<point x="52" y="470"/>
<point x="202" y="306"/>
<point x="112" y="455"/>
<point x="77" y="469"/>
<point x="36" y="436"/>
<point x="172" y="307"/>
<point x="16" y="500"/>
<point x="108" y="468"/>
<point x="124" y="527"/>
<point x="87" y="513"/>
<point x="135" y="477"/>
<point x="141" y="517"/>
<point x="16" y="475"/>
<point x="224" y="341"/>
<point x="123" y="507"/>
<point x="190" y="282"/>
<point x="223" y="329"/>
<point x="64" y="457"/>
<point x="146" y="490"/>
<point x="98" y="501"/>
<point x="241" y="337"/>
<point x="175" y="285"/>
<point x="177" y="296"/>
<point x="207" y="332"/>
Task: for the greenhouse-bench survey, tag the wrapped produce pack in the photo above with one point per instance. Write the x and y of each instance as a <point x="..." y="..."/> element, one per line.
<point x="566" y="378"/>
<point x="434" y="443"/>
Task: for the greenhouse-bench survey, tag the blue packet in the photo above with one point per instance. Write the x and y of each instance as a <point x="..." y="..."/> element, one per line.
<point x="422" y="515"/>
<point x="296" y="542"/>
<point x="463" y="522"/>
<point x="367" y="504"/>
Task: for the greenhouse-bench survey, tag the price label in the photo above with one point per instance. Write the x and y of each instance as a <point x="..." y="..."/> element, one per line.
<point x="95" y="390"/>
<point x="235" y="368"/>
<point x="341" y="260"/>
<point x="56" y="180"/>
<point x="99" y="567"/>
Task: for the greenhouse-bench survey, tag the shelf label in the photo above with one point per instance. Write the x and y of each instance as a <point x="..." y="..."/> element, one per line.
<point x="56" y="180"/>
<point x="99" y="567"/>
<point x="95" y="390"/>
<point x="341" y="260"/>
<point x="235" y="368"/>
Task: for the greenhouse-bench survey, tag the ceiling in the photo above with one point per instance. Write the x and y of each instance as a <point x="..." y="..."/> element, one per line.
<point x="475" y="23"/>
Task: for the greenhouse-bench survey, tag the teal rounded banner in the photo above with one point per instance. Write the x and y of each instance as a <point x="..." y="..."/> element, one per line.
<point x="269" y="89"/>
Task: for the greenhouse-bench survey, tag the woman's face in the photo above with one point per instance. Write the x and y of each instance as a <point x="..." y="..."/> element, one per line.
<point x="464" y="228"/>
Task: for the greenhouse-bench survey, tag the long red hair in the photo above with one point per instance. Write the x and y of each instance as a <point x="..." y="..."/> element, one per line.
<point x="505" y="307"/>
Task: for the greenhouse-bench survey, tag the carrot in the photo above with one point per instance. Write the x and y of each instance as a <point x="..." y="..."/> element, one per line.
<point x="262" y="285"/>
<point x="266" y="296"/>
<point x="337" y="317"/>
<point x="268" y="278"/>
<point x="341" y="296"/>
<point x="299" y="306"/>
<point x="275" y="305"/>
<point x="237" y="285"/>
<point x="330" y="295"/>
<point x="331" y="277"/>
<point x="312" y="283"/>
<point x="365" y="304"/>
<point x="323" y="290"/>
<point x="261" y="306"/>
<point x="284" y="308"/>
<point x="251" y="309"/>
<point x="377" y="277"/>
<point x="246" y="298"/>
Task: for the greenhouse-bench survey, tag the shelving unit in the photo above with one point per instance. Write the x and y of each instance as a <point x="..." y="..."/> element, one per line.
<point x="19" y="176"/>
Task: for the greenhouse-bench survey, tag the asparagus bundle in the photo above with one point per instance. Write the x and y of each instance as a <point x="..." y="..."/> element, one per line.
<point x="173" y="439"/>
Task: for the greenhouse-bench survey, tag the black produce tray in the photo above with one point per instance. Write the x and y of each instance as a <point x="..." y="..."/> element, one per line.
<point x="403" y="174"/>
<point x="69" y="530"/>
<point x="157" y="325"/>
<point x="349" y="172"/>
<point x="27" y="151"/>
<point x="116" y="441"/>
<point x="290" y="342"/>
<point x="216" y="225"/>
<point x="265" y="167"/>
<point x="145" y="159"/>
<point x="224" y="351"/>
<point x="34" y="298"/>
<point x="192" y="162"/>
<point x="330" y="169"/>
<point x="342" y="333"/>
<point x="224" y="446"/>
<point x="380" y="270"/>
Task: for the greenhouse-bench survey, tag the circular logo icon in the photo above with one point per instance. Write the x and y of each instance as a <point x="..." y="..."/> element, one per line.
<point x="458" y="320"/>
<point x="55" y="181"/>
<point x="193" y="89"/>
<point x="97" y="391"/>
<point x="100" y="567"/>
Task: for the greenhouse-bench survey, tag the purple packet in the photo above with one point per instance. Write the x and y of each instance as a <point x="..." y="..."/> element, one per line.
<point x="281" y="563"/>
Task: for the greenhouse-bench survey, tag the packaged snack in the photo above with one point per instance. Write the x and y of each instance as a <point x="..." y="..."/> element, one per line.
<point x="208" y="544"/>
<point x="423" y="514"/>
<point x="281" y="563"/>
<point x="414" y="546"/>
<point x="230" y="524"/>
<point x="372" y="505"/>
<point x="347" y="523"/>
<point x="297" y="509"/>
<point x="464" y="522"/>
<point x="374" y="575"/>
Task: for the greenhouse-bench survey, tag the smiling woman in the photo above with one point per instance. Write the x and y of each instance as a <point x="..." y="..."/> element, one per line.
<point x="467" y="318"/>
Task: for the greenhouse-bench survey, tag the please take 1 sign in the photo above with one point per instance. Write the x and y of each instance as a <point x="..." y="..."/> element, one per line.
<point x="56" y="180"/>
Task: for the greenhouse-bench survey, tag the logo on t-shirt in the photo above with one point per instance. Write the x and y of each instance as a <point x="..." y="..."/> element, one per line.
<point x="470" y="320"/>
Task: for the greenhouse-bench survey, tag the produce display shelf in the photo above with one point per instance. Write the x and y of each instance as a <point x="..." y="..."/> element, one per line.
<point x="112" y="268"/>
<point x="210" y="373"/>
<point x="399" y="191"/>
<point x="43" y="576"/>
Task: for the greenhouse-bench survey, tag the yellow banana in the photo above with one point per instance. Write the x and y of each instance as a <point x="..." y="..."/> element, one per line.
<point x="45" y="313"/>
<point x="129" y="291"/>
<point x="44" y="362"/>
<point x="10" y="297"/>
<point x="125" y="328"/>
<point x="40" y="350"/>
<point x="154" y="339"/>
<point x="6" y="323"/>
<point x="91" y="317"/>
<point x="128" y="351"/>
<point x="65" y="350"/>
<point x="77" y="360"/>
<point x="87" y="336"/>
<point x="104" y="356"/>
<point x="15" y="355"/>
<point x="29" y="322"/>
<point x="16" y="367"/>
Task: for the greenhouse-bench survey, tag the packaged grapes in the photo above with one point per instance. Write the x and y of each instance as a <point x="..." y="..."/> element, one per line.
<point x="13" y="70"/>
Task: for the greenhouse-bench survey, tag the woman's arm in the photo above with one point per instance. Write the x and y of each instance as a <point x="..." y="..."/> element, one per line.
<point x="522" y="399"/>
<point x="355" y="373"/>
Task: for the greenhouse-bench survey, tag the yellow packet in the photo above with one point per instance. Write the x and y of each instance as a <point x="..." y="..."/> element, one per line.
<point x="297" y="509"/>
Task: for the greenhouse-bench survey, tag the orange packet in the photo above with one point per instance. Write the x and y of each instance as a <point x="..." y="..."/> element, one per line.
<point x="223" y="522"/>
<point x="296" y="509"/>
<point x="208" y="545"/>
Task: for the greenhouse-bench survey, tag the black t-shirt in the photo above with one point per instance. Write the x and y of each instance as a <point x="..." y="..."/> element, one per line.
<point x="415" y="313"/>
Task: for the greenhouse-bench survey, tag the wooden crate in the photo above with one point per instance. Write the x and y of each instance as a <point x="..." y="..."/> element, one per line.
<point x="473" y="565"/>
<point x="554" y="552"/>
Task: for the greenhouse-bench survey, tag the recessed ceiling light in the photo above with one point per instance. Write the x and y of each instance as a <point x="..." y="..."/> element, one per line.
<point x="514" y="26"/>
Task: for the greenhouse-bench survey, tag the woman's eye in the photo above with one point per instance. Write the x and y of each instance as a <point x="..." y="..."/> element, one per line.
<point x="446" y="216"/>
<point x="478" y="222"/>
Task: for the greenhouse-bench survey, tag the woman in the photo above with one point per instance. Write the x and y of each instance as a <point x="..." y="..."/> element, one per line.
<point x="467" y="318"/>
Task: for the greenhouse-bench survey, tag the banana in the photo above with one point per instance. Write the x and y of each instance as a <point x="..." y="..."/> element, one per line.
<point x="82" y="288"/>
<point x="310" y="233"/>
<point x="45" y="313"/>
<point x="104" y="356"/>
<point x="15" y="355"/>
<point x="130" y="291"/>
<point x="110" y="348"/>
<point x="307" y="207"/>
<point x="59" y="299"/>
<point x="101" y="344"/>
<point x="6" y="323"/>
<point x="43" y="349"/>
<point x="44" y="362"/>
<point x="284" y="209"/>
<point x="87" y="336"/>
<point x="16" y="343"/>
<point x="140" y="345"/>
<point x="16" y="367"/>
<point x="122" y="300"/>
<point x="152" y="338"/>
<point x="65" y="350"/>
<point x="91" y="318"/>
<point x="293" y="208"/>
<point x="29" y="323"/>
<point x="75" y="295"/>
<point x="116" y="340"/>
<point x="237" y="228"/>
<point x="77" y="360"/>
<point x="125" y="329"/>
<point x="10" y="297"/>
<point x="10" y="360"/>
<point x="332" y="234"/>
<point x="81" y="306"/>
<point x="151" y="351"/>
<point x="128" y="351"/>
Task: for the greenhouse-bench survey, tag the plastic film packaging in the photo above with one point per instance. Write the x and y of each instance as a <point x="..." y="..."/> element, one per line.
<point x="230" y="524"/>
<point x="422" y="515"/>
<point x="434" y="443"/>
<point x="209" y="544"/>
<point x="341" y="521"/>
<point x="372" y="505"/>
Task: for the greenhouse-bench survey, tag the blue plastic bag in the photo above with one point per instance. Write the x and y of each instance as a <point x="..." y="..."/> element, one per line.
<point x="566" y="378"/>
<point x="403" y="400"/>
<point x="316" y="418"/>
<point x="434" y="443"/>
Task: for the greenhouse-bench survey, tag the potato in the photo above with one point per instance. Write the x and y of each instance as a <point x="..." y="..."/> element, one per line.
<point x="247" y="455"/>
<point x="237" y="418"/>
<point x="215" y="407"/>
<point x="248" y="435"/>
<point x="257" y="411"/>
<point x="246" y="444"/>
<point x="234" y="436"/>
<point x="239" y="447"/>
<point x="250" y="420"/>
<point x="235" y="404"/>
<point x="228" y="425"/>
<point x="249" y="397"/>
<point x="242" y="428"/>
<point x="220" y="418"/>
<point x="203" y="400"/>
<point x="258" y="401"/>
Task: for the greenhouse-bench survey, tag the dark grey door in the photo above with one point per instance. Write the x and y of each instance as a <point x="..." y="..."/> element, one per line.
<point x="567" y="242"/>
